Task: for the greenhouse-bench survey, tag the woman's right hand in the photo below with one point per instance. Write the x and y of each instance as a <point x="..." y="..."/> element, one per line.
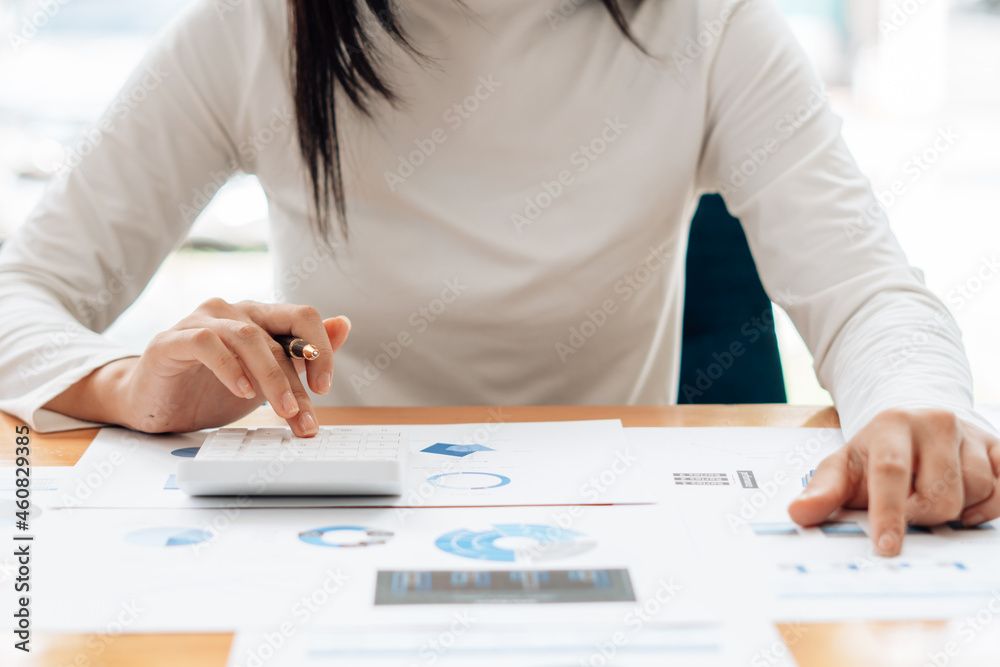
<point x="215" y="366"/>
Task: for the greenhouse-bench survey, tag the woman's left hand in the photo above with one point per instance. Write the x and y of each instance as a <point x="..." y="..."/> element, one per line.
<point x="919" y="467"/>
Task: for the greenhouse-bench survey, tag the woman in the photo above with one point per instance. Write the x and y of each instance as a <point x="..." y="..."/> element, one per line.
<point x="473" y="183"/>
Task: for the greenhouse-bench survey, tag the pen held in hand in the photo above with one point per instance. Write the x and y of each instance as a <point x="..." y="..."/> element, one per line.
<point x="296" y="348"/>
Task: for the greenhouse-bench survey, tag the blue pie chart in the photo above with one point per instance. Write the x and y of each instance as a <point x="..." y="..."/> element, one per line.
<point x="515" y="542"/>
<point x="167" y="536"/>
<point x="186" y="452"/>
<point x="9" y="511"/>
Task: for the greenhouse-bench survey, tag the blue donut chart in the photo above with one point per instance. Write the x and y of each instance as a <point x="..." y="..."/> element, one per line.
<point x="491" y="480"/>
<point x="546" y="543"/>
<point x="369" y="536"/>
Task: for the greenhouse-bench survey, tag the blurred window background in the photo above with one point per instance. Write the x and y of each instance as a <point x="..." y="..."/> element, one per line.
<point x="899" y="72"/>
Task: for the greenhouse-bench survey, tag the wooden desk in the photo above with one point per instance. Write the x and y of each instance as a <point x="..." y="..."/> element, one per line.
<point x="815" y="645"/>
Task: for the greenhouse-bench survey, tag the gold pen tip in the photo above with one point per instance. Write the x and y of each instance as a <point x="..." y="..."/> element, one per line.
<point x="310" y="352"/>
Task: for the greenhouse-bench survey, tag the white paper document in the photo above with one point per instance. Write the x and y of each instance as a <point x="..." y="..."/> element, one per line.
<point x="551" y="463"/>
<point x="735" y="485"/>
<point x="832" y="572"/>
<point x="205" y="570"/>
<point x="464" y="642"/>
<point x="539" y="561"/>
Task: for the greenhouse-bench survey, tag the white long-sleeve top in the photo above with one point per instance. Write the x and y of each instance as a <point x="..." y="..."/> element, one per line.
<point x="517" y="227"/>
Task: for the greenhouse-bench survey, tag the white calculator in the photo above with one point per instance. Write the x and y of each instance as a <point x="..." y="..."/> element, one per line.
<point x="338" y="461"/>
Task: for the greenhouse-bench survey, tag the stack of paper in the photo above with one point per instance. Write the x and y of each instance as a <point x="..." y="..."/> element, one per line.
<point x="594" y="545"/>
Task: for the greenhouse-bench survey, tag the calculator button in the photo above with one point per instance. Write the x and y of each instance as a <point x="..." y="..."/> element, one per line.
<point x="216" y="455"/>
<point x="344" y="437"/>
<point x="223" y="444"/>
<point x="215" y="444"/>
<point x="308" y="444"/>
<point x="382" y="445"/>
<point x="382" y="437"/>
<point x="339" y="454"/>
<point x="224" y="439"/>
<point x="347" y="446"/>
<point x="269" y="435"/>
<point x="246" y="454"/>
<point x="301" y="453"/>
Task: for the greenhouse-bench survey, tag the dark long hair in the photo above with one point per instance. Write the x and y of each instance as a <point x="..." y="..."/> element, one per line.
<point x="333" y="49"/>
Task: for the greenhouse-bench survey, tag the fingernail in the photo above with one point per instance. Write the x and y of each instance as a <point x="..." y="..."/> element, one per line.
<point x="886" y="544"/>
<point x="307" y="423"/>
<point x="345" y="318"/>
<point x="974" y="519"/>
<point x="289" y="404"/>
<point x="246" y="388"/>
<point x="325" y="383"/>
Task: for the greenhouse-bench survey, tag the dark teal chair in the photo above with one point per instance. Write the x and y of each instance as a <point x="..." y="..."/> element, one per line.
<point x="729" y="350"/>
